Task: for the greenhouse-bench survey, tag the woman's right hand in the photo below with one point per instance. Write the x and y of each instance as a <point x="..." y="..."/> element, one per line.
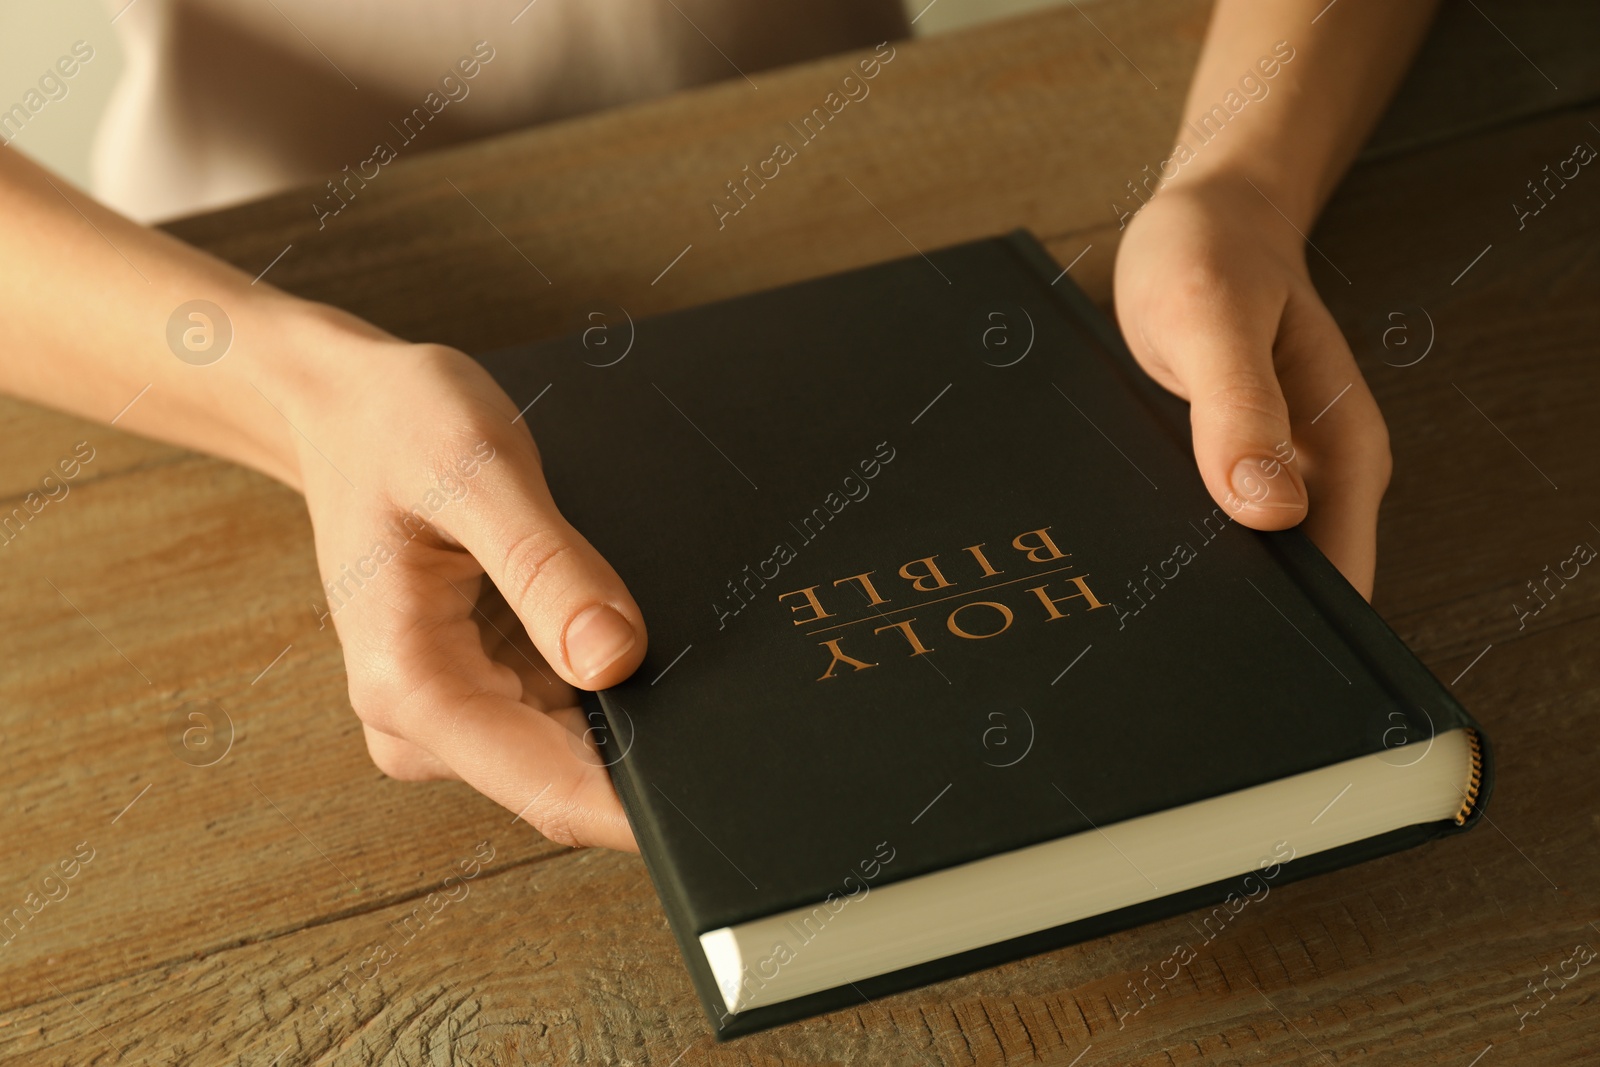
<point x="406" y="452"/>
<point x="431" y="512"/>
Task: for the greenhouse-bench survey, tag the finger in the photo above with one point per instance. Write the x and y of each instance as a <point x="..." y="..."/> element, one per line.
<point x="1342" y="440"/>
<point x="506" y="642"/>
<point x="520" y="758"/>
<point x="575" y="608"/>
<point x="419" y="670"/>
<point x="421" y="610"/>
<point x="400" y="759"/>
<point x="1237" y="412"/>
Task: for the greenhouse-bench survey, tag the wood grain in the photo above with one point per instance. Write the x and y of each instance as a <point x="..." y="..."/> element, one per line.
<point x="185" y="582"/>
<point x="225" y="901"/>
<point x="1420" y="957"/>
<point x="38" y="440"/>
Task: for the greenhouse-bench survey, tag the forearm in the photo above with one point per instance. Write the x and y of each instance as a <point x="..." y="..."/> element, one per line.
<point x="1307" y="93"/>
<point x="88" y="296"/>
<point x="1212" y="290"/>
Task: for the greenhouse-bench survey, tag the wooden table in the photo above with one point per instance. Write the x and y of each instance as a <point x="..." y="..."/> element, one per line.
<point x="224" y="905"/>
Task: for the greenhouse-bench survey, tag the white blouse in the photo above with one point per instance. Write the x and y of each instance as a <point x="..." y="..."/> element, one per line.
<point x="227" y="100"/>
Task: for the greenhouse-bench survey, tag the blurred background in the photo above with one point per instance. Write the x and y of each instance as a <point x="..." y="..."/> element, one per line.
<point x="35" y="33"/>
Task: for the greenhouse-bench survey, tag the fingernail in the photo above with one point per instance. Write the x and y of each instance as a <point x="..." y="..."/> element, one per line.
<point x="1265" y="483"/>
<point x="596" y="639"/>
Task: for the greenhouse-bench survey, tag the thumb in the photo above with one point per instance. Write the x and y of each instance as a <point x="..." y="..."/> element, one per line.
<point x="576" y="609"/>
<point x="1240" y="423"/>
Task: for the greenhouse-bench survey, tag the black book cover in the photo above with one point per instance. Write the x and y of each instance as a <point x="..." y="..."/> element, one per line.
<point x="1081" y="635"/>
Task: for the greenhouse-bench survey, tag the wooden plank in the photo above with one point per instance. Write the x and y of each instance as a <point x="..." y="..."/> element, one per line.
<point x="1494" y="431"/>
<point x="200" y="572"/>
<point x="37" y="441"/>
<point x="1371" y="951"/>
<point x="1488" y="64"/>
<point x="1419" y="958"/>
<point x="192" y="581"/>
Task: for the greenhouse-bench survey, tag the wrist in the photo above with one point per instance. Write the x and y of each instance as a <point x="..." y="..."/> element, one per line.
<point x="1236" y="201"/>
<point x="301" y="363"/>
<point x="1256" y="170"/>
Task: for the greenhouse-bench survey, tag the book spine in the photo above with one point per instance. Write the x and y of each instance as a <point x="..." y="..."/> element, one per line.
<point x="644" y="816"/>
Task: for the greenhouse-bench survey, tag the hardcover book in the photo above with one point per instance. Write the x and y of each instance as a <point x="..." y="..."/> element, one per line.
<point x="953" y="659"/>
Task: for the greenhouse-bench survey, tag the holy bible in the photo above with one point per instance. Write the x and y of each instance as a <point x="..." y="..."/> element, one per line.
<point x="953" y="659"/>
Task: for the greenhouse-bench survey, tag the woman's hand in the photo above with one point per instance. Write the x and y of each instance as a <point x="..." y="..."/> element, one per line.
<point x="424" y="487"/>
<point x="442" y="553"/>
<point x="1214" y="299"/>
<point x="1211" y="284"/>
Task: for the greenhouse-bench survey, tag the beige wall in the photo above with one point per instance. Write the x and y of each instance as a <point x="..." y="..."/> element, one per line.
<point x="34" y="34"/>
